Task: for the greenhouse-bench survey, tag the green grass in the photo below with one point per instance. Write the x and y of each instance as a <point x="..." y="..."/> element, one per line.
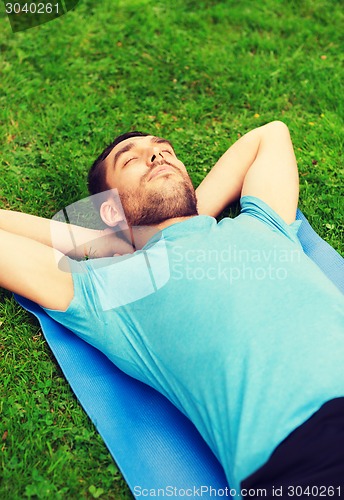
<point x="197" y="72"/>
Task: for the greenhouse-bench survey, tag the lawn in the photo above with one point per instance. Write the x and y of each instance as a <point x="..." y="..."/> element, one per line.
<point x="200" y="73"/>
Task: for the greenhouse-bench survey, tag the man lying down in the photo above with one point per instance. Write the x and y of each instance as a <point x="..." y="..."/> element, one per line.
<point x="234" y="324"/>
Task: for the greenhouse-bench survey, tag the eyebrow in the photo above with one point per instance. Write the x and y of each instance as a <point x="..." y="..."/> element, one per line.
<point x="125" y="149"/>
<point x="160" y="140"/>
<point x="131" y="145"/>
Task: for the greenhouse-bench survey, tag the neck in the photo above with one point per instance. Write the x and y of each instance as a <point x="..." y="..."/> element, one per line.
<point x="141" y="234"/>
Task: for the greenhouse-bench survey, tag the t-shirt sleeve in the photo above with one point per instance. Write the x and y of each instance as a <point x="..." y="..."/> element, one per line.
<point x="103" y="286"/>
<point x="81" y="315"/>
<point x="258" y="209"/>
<point x="96" y="313"/>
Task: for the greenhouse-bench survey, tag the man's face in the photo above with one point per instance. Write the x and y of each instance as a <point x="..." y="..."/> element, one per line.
<point x="152" y="183"/>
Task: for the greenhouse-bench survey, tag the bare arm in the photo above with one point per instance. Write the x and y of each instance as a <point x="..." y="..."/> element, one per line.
<point x="69" y="239"/>
<point x="30" y="268"/>
<point x="30" y="251"/>
<point x="262" y="164"/>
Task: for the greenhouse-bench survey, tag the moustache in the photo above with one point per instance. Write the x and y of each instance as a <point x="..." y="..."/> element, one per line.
<point x="160" y="163"/>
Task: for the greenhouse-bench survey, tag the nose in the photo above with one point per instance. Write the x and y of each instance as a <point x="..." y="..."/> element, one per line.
<point x="156" y="154"/>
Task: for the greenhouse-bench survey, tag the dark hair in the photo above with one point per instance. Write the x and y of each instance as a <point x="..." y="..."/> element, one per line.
<point x="97" y="174"/>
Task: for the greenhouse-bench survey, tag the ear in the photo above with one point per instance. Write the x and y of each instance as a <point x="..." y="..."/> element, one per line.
<point x="110" y="214"/>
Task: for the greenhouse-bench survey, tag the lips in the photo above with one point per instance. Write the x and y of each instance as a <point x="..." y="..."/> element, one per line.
<point x="160" y="169"/>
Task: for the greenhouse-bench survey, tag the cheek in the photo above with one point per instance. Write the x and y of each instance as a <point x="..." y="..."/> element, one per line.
<point x="130" y="180"/>
<point x="183" y="170"/>
<point x="181" y="166"/>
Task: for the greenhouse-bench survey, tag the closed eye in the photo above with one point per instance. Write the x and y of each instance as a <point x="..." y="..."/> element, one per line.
<point x="130" y="159"/>
<point x="167" y="151"/>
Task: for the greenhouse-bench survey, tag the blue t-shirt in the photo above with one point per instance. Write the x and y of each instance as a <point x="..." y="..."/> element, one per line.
<point x="231" y="321"/>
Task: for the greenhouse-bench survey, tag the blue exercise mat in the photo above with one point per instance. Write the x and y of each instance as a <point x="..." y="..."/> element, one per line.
<point x="153" y="444"/>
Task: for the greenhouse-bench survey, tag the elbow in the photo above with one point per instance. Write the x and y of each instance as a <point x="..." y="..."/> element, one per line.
<point x="277" y="129"/>
<point x="278" y="125"/>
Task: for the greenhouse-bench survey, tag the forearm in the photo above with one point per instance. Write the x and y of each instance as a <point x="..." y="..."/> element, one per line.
<point x="262" y="164"/>
<point x="29" y="226"/>
<point x="68" y="239"/>
<point x="224" y="182"/>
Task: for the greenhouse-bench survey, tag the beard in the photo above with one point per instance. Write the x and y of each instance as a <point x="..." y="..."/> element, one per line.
<point x="150" y="204"/>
